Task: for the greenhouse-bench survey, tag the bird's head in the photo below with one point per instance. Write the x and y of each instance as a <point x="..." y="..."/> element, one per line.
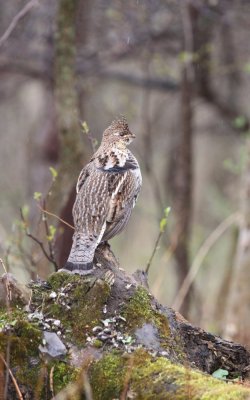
<point x="118" y="131"/>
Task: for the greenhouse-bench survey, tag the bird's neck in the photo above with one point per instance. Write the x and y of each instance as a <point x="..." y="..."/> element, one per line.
<point x="112" y="155"/>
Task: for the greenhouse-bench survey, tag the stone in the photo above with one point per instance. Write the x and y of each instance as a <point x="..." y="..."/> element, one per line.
<point x="54" y="347"/>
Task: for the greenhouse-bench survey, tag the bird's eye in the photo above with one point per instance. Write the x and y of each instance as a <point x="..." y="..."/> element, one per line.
<point x="122" y="133"/>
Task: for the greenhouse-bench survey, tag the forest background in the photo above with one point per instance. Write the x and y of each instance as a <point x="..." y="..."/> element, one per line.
<point x="180" y="72"/>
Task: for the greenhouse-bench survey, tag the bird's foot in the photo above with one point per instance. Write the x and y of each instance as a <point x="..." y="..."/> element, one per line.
<point x="76" y="268"/>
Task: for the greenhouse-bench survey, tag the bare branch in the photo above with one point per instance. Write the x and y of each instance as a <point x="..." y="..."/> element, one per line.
<point x="37" y="241"/>
<point x="55" y="216"/>
<point x="50" y="244"/>
<point x="16" y="19"/>
<point x="4" y="268"/>
<point x="154" y="251"/>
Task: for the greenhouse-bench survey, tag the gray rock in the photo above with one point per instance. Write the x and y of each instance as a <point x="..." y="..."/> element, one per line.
<point x="148" y="336"/>
<point x="53" y="346"/>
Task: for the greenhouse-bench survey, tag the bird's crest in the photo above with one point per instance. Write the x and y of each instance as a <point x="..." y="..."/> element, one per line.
<point x="119" y="124"/>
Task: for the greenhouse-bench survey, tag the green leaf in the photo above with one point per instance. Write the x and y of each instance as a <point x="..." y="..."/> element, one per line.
<point x="167" y="211"/>
<point x="186" y="56"/>
<point x="246" y="67"/>
<point x="240" y="121"/>
<point x="25" y="210"/>
<point x="220" y="374"/>
<point x="163" y="224"/>
<point x="54" y="173"/>
<point x="52" y="232"/>
<point x="37" y="196"/>
<point x="85" y="127"/>
<point x="95" y="142"/>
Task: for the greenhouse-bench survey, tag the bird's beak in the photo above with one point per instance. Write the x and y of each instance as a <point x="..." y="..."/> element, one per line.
<point x="132" y="135"/>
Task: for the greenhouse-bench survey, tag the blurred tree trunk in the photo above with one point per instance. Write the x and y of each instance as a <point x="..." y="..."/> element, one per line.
<point x="183" y="188"/>
<point x="237" y="321"/>
<point x="183" y="167"/>
<point x="71" y="30"/>
<point x="66" y="100"/>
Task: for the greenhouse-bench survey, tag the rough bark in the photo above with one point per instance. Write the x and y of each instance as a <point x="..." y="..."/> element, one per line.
<point x="120" y="342"/>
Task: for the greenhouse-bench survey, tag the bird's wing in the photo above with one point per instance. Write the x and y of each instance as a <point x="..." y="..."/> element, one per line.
<point x="122" y="201"/>
<point x="104" y="198"/>
<point x="91" y="204"/>
<point x="84" y="174"/>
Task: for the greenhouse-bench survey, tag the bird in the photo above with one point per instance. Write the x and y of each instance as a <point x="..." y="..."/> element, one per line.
<point x="106" y="192"/>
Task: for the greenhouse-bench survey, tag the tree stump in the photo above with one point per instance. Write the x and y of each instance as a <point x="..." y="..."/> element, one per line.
<point x="104" y="336"/>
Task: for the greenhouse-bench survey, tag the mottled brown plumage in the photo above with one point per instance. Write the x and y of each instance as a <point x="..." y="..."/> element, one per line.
<point x="107" y="189"/>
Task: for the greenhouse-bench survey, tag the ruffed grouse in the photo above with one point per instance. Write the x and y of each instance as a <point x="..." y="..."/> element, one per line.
<point x="107" y="189"/>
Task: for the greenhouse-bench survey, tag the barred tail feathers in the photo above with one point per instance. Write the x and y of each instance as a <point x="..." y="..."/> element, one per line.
<point x="82" y="254"/>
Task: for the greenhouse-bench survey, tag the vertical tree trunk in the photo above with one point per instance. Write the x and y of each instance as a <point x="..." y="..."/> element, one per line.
<point x="71" y="149"/>
<point x="183" y="168"/>
<point x="237" y="321"/>
<point x="183" y="188"/>
<point x="71" y="30"/>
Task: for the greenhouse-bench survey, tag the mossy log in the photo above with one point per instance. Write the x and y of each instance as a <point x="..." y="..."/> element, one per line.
<point x="113" y="341"/>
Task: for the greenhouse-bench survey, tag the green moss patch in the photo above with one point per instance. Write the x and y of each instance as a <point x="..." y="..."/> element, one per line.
<point x="63" y="374"/>
<point x="139" y="311"/>
<point x="22" y="337"/>
<point x="87" y="298"/>
<point x="151" y="378"/>
<point x="107" y="377"/>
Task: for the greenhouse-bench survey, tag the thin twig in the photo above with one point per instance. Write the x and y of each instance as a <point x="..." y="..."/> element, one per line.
<point x="35" y="239"/>
<point x="154" y="251"/>
<point x="168" y="254"/>
<point x="87" y="387"/>
<point x="93" y="141"/>
<point x="2" y="263"/>
<point x="2" y="381"/>
<point x="50" y="244"/>
<point x="55" y="216"/>
<point x="127" y="379"/>
<point x="8" y="300"/>
<point x="7" y="376"/>
<point x="20" y="396"/>
<point x="16" y="19"/>
<point x="51" y="380"/>
<point x="204" y="249"/>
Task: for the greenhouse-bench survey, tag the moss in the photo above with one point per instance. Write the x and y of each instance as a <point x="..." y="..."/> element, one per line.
<point x="61" y="279"/>
<point x="63" y="374"/>
<point x="139" y="310"/>
<point x="157" y="378"/>
<point x="23" y="337"/>
<point x="98" y="343"/>
<point x="87" y="298"/>
<point x="107" y="377"/>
